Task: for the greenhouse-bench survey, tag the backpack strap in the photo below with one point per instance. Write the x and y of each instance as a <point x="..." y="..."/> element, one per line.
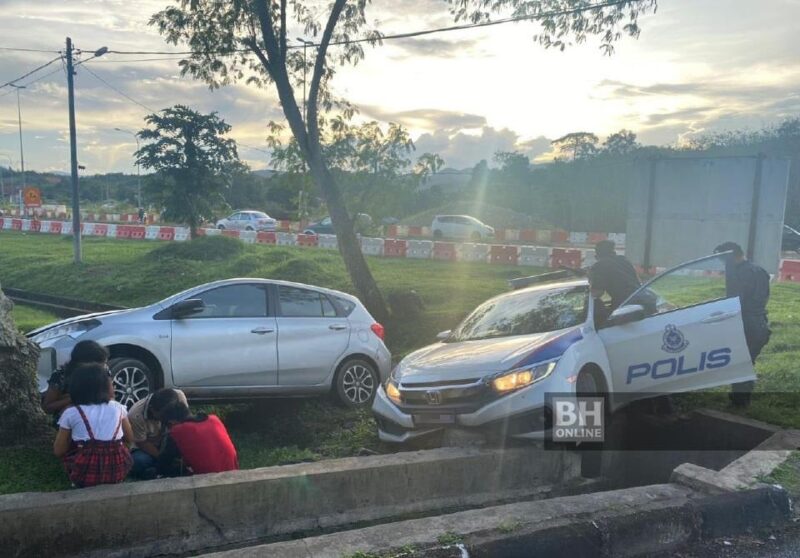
<point x="86" y="422"/>
<point x="119" y="425"/>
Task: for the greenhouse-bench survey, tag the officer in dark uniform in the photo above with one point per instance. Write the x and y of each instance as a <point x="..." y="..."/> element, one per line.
<point x="612" y="274"/>
<point x="751" y="284"/>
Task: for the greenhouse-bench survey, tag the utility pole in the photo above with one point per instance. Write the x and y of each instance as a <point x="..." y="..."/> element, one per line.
<point x="73" y="156"/>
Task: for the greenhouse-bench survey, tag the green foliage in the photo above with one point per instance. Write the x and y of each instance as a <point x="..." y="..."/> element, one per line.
<point x="564" y="22"/>
<point x="580" y="145"/>
<point x="204" y="248"/>
<point x="787" y="474"/>
<point x="192" y="161"/>
<point x="449" y="538"/>
<point x="28" y="318"/>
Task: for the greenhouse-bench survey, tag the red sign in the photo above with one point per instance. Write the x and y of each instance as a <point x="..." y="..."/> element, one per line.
<point x="32" y="197"/>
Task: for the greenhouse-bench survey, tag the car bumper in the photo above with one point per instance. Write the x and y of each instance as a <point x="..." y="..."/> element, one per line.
<point x="521" y="414"/>
<point x="53" y="353"/>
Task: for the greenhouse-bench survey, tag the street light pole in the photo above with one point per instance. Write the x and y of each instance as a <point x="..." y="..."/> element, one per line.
<point x="21" y="151"/>
<point x="73" y="156"/>
<point x="73" y="150"/>
<point x="138" y="175"/>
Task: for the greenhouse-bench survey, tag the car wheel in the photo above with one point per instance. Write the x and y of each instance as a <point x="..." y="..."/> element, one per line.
<point x="475" y="236"/>
<point x="221" y="227"/>
<point x="356" y="383"/>
<point x="586" y="384"/>
<point x="437" y="234"/>
<point x="249" y="228"/>
<point x="132" y="380"/>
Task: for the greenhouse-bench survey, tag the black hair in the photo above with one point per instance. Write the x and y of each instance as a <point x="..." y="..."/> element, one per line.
<point x="176" y="412"/>
<point x="85" y="352"/>
<point x="730" y="247"/>
<point x="164" y="398"/>
<point x="90" y="384"/>
<point x="605" y="248"/>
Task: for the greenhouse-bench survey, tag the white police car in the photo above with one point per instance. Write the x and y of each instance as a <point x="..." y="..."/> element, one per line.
<point x="677" y="333"/>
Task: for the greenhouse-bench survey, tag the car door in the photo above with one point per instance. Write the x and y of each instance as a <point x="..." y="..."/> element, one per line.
<point x="232" y="342"/>
<point x="311" y="337"/>
<point x="691" y="337"/>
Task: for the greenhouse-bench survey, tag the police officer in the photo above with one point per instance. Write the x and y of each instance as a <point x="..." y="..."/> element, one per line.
<point x="751" y="284"/>
<point x="612" y="274"/>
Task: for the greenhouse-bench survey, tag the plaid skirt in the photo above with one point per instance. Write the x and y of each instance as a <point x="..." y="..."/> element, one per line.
<point x="96" y="462"/>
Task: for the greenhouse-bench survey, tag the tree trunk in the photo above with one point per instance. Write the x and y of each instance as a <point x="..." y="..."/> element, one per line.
<point x="22" y="419"/>
<point x="349" y="245"/>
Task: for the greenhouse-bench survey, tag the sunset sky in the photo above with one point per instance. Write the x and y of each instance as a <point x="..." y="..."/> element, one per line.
<point x="699" y="65"/>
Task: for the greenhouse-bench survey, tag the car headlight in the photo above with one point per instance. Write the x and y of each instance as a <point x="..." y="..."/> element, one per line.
<point x="522" y="377"/>
<point x="392" y="392"/>
<point x="73" y="330"/>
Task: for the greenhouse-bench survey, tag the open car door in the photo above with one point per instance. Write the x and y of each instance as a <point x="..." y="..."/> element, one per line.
<point x="685" y="334"/>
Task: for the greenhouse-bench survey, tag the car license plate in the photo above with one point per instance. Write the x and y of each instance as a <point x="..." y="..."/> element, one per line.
<point x="434" y="419"/>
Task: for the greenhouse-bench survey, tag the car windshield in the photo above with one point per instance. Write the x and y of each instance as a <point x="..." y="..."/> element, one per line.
<point x="525" y="313"/>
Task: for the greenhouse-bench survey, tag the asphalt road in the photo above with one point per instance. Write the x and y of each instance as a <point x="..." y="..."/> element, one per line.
<point x="783" y="544"/>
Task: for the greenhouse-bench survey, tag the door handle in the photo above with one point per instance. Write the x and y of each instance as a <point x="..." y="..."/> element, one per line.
<point x="262" y="330"/>
<point x="720" y="317"/>
<point x="337" y="327"/>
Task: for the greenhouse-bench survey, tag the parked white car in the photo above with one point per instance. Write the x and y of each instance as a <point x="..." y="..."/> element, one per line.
<point x="677" y="333"/>
<point x="460" y="226"/>
<point x="233" y="339"/>
<point x="248" y="221"/>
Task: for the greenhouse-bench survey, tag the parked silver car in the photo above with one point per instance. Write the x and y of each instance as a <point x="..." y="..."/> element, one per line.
<point x="460" y="226"/>
<point x="234" y="339"/>
<point x="248" y="221"/>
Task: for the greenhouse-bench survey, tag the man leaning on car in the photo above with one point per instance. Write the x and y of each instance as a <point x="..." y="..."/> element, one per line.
<point x="613" y="274"/>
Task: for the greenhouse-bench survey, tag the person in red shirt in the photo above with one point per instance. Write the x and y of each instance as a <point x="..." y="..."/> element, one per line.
<point x="195" y="444"/>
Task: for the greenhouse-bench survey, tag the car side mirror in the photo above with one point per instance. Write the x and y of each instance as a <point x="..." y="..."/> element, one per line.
<point x="626" y="314"/>
<point x="443" y="335"/>
<point x="187" y="308"/>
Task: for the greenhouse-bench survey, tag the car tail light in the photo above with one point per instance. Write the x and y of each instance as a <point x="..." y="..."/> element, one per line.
<point x="378" y="330"/>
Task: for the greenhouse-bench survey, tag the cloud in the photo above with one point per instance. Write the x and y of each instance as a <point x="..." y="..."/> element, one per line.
<point x="426" y="118"/>
<point x="462" y="150"/>
<point x="436" y="48"/>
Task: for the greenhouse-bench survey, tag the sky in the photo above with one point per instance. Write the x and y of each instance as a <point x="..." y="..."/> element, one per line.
<point x="698" y="66"/>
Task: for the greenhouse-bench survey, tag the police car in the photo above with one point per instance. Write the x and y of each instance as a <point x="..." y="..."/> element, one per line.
<point x="677" y="333"/>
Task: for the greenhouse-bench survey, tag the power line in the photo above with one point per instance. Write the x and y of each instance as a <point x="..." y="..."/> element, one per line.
<point x="15" y="49"/>
<point x="13" y="81"/>
<point x="119" y="92"/>
<point x="406" y="35"/>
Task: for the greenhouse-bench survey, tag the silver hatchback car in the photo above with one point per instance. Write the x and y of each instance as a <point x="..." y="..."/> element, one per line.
<point x="234" y="339"/>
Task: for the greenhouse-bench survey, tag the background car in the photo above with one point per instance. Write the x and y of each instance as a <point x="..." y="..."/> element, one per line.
<point x="791" y="240"/>
<point x="460" y="226"/>
<point x="362" y="223"/>
<point x="233" y="339"/>
<point x="679" y="332"/>
<point x="248" y="221"/>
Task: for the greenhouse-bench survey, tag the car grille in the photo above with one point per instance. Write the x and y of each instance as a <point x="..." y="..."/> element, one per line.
<point x="460" y="396"/>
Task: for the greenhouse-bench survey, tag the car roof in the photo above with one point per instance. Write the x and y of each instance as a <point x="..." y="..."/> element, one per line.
<point x="547" y="286"/>
<point x="245" y="280"/>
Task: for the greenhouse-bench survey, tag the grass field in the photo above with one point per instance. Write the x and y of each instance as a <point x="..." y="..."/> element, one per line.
<point x="274" y="432"/>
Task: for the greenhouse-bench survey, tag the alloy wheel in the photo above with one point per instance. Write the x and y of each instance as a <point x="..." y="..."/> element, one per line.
<point x="130" y="385"/>
<point x="358" y="384"/>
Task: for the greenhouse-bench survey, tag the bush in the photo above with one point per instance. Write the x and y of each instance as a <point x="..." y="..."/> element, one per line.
<point x="205" y="248"/>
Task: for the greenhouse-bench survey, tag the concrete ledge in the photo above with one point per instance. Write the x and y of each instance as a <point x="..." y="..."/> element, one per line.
<point x="171" y="516"/>
<point x="630" y="522"/>
<point x="744" y="472"/>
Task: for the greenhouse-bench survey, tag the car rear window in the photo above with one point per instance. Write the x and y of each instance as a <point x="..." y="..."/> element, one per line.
<point x="346" y="305"/>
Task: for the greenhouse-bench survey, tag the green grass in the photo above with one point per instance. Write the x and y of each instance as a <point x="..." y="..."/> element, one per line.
<point x="787" y="474"/>
<point x="273" y="432"/>
<point x="267" y="432"/>
<point x="28" y="318"/>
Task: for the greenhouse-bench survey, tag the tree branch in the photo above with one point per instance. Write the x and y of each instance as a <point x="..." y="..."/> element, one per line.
<point x="319" y="67"/>
<point x="282" y="44"/>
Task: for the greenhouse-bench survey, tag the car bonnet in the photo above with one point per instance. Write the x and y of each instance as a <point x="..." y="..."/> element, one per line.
<point x="476" y="359"/>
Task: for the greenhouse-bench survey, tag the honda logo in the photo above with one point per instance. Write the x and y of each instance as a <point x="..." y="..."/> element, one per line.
<point x="434" y="397"/>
